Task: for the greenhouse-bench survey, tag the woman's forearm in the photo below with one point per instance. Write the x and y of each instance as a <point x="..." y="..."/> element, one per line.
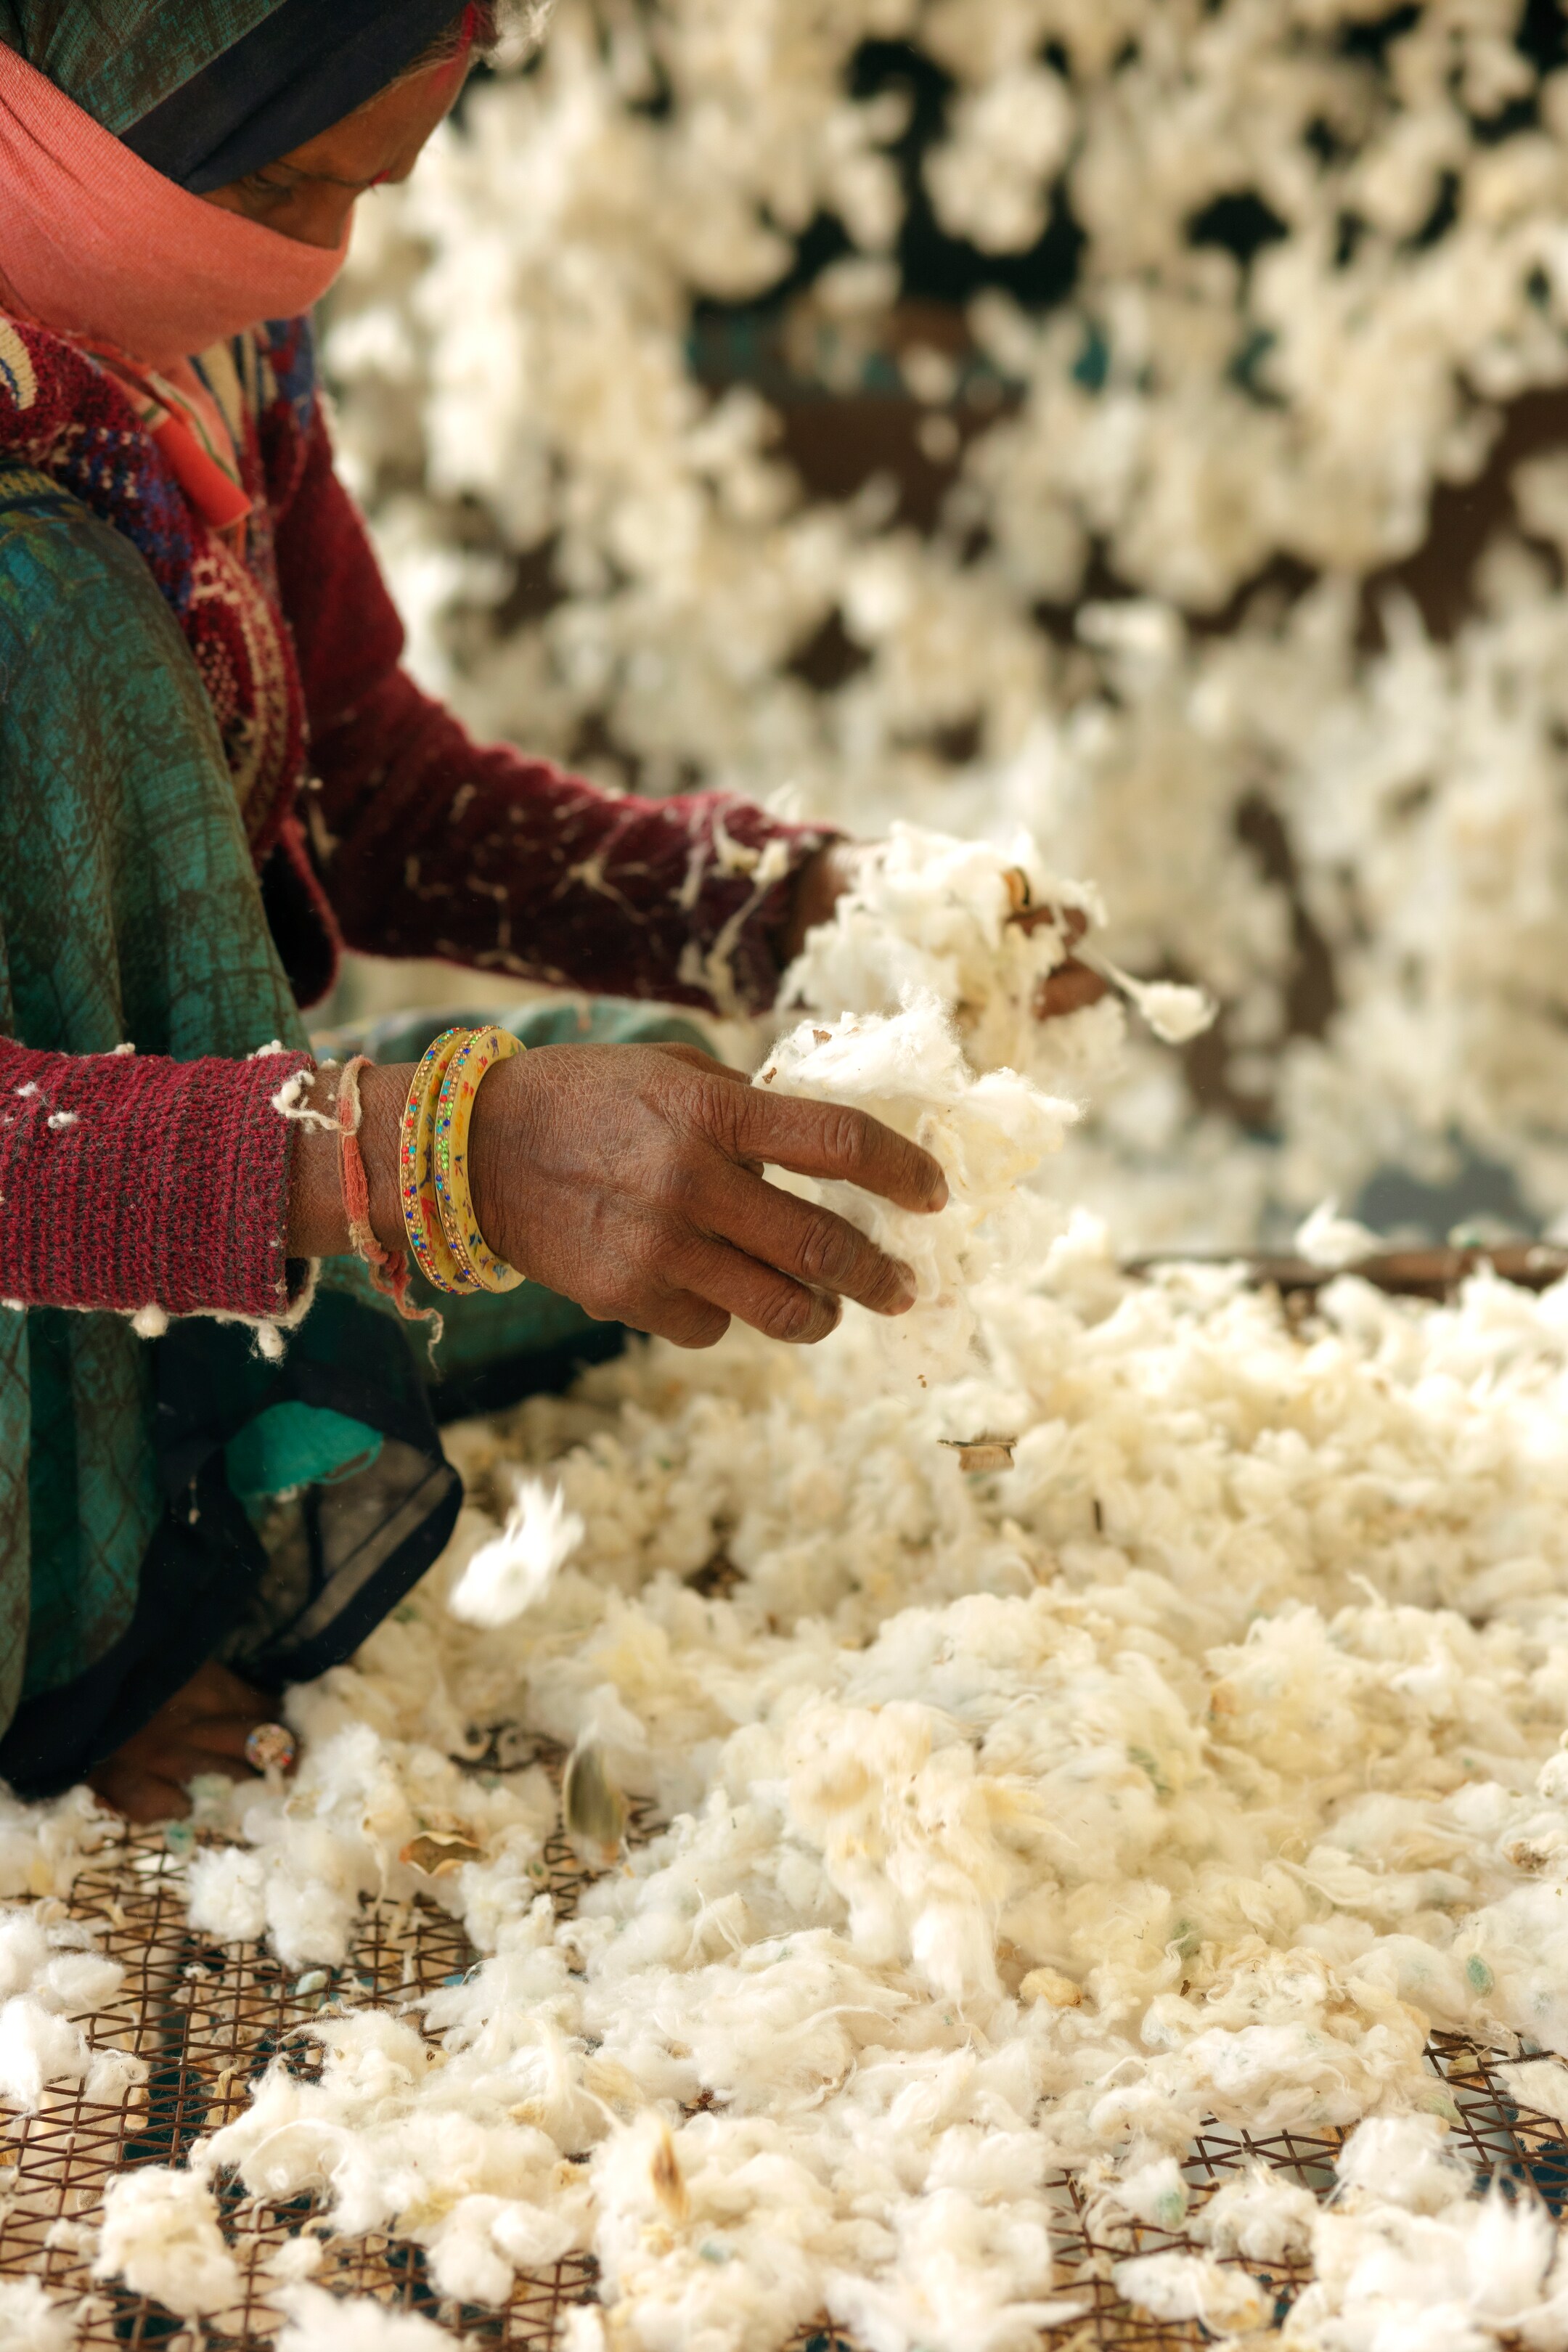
<point x="432" y="845"/>
<point x="129" y="1180"/>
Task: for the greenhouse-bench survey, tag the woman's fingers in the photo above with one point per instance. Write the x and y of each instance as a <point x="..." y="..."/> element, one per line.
<point x="142" y="1796"/>
<point x="684" y="1319"/>
<point x="192" y="1757"/>
<point x="770" y="1302"/>
<point x="812" y="1138"/>
<point x="820" y="1249"/>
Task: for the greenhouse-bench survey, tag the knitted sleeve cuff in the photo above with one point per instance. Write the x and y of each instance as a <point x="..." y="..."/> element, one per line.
<point x="128" y="1182"/>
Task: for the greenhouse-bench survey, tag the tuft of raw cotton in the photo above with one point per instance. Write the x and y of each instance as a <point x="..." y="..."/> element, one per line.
<point x="1404" y="2160"/>
<point x="989" y="1133"/>
<point x="1330" y="1240"/>
<point x="48" y="1977"/>
<point x="1178" y="2287"/>
<point x="160" y="2235"/>
<point x="515" y="1568"/>
<point x="1260" y="2214"/>
<point x="228" y="1894"/>
<point x="583" y="2329"/>
<point x="1539" y="2083"/>
<point x="319" y="2322"/>
<point x="978" y="928"/>
<point x="43" y="1847"/>
<point x="1409" y="2255"/>
<point x="32" y="2321"/>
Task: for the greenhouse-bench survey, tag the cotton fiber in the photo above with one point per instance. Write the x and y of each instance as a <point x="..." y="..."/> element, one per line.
<point x="989" y="1134"/>
<point x="507" y="1575"/>
<point x="160" y="2235"/>
<point x="32" y="2320"/>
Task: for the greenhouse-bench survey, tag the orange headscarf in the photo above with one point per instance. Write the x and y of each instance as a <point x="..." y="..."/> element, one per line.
<point x="100" y="249"/>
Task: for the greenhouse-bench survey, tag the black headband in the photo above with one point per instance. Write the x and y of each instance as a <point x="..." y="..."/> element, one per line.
<point x="304" y="68"/>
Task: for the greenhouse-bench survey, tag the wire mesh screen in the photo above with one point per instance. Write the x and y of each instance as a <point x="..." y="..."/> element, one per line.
<point x="209" y="2018"/>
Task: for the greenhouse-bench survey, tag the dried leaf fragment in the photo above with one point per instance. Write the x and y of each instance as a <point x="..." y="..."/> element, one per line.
<point x="592" y="1807"/>
<point x="437" y="1853"/>
<point x="987" y="1453"/>
<point x="669" y="2180"/>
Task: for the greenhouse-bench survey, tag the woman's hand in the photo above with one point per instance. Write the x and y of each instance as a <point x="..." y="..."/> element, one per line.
<point x="629" y="1178"/>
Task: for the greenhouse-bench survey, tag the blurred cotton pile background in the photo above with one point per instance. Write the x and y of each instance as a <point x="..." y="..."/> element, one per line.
<point x="1136" y="419"/>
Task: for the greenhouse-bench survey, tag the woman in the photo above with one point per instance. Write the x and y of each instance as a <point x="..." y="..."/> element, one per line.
<point x="214" y="773"/>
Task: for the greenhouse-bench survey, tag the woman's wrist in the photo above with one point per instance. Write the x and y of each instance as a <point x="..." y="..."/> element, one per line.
<point x="318" y="1219"/>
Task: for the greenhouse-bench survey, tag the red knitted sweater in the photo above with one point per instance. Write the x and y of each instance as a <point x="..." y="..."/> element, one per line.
<point x="413" y="842"/>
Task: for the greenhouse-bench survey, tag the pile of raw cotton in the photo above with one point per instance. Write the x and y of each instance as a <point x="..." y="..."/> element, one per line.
<point x="1195" y="1766"/>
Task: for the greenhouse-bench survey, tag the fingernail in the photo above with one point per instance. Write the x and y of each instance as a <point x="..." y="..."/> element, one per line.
<point x="939" y="1198"/>
<point x="904" y="1297"/>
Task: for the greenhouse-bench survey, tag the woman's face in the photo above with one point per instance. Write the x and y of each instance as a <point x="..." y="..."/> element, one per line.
<point x="310" y="194"/>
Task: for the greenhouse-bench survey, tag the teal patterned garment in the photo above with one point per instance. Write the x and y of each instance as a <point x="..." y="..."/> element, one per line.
<point x="117" y="59"/>
<point x="128" y="910"/>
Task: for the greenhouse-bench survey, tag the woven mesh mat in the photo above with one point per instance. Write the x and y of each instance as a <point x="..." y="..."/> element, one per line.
<point x="208" y="2019"/>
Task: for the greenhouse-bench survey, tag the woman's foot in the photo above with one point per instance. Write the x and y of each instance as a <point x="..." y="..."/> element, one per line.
<point x="203" y="1728"/>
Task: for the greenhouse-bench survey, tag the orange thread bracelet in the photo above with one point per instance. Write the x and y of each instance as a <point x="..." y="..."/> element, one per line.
<point x="388" y="1268"/>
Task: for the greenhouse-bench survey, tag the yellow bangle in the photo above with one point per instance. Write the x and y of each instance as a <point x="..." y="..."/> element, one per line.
<point x="480" y="1050"/>
<point x="421" y="1217"/>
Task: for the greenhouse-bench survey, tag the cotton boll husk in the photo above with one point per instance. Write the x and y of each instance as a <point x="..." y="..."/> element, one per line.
<point x="160" y="2233"/>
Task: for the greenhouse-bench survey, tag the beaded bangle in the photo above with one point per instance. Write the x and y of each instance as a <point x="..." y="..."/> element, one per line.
<point x="421" y="1218"/>
<point x="480" y="1051"/>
